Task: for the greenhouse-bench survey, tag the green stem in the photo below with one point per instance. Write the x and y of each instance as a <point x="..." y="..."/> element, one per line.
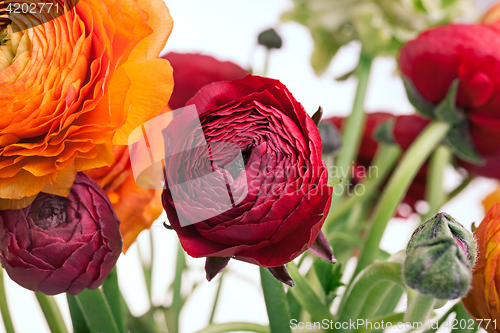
<point x="51" y="313"/>
<point x="397" y="186"/>
<point x="146" y="269"/>
<point x="112" y="292"/>
<point x="151" y="261"/>
<point x="96" y="311"/>
<point x="434" y="193"/>
<point x="459" y="189"/>
<point x="384" y="161"/>
<point x="357" y="294"/>
<point x="216" y="300"/>
<point x="266" y="62"/>
<point x="419" y="309"/>
<point x="4" y="306"/>
<point x="276" y="305"/>
<point x="234" y="327"/>
<point x="352" y="129"/>
<point x="176" y="288"/>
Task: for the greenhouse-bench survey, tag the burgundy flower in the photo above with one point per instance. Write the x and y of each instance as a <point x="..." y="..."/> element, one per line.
<point x="405" y="130"/>
<point x="278" y="186"/>
<point x="61" y="244"/>
<point x="471" y="54"/>
<point x="194" y="71"/>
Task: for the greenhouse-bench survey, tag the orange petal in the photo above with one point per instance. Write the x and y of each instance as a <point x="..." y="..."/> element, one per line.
<point x="162" y="24"/>
<point x="156" y="75"/>
<point x="64" y="182"/>
<point x="491" y="199"/>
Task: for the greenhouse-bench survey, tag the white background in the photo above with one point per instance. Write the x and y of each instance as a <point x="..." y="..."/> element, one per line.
<point x="227" y="29"/>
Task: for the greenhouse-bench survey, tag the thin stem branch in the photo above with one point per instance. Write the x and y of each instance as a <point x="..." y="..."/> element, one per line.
<point x="434" y="193"/>
<point x="4" y="306"/>
<point x="397" y="186"/>
<point x="216" y="300"/>
<point x="419" y="309"/>
<point x="52" y="314"/>
<point x="176" y="288"/>
<point x="352" y="130"/>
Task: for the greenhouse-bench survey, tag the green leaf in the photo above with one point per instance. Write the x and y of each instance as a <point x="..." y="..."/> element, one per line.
<point x="77" y="319"/>
<point x="328" y="275"/>
<point x="347" y="75"/>
<point x="234" y="327"/>
<point x="423" y="106"/>
<point x="461" y="317"/>
<point x="177" y="301"/>
<point x="276" y="304"/>
<point x="293" y="305"/>
<point x="460" y="141"/>
<point x="390" y="301"/>
<point x="385" y="132"/>
<point x="447" y="110"/>
<point x="306" y="296"/>
<point x="96" y="311"/>
<point x="113" y="297"/>
<point x="392" y="318"/>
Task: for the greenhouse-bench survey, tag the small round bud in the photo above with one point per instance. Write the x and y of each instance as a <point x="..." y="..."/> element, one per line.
<point x="439" y="258"/>
<point x="270" y="39"/>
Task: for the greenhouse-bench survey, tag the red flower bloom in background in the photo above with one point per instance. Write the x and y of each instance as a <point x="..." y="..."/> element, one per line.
<point x="288" y="199"/>
<point x="470" y="53"/>
<point x="406" y="129"/>
<point x="61" y="244"/>
<point x="194" y="71"/>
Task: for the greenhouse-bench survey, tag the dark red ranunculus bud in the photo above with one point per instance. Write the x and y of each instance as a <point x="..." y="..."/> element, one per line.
<point x="61" y="244"/>
<point x="265" y="207"/>
<point x="194" y="71"/>
<point x="471" y="55"/>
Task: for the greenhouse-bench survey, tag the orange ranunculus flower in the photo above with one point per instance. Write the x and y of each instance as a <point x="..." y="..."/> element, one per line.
<point x="492" y="16"/>
<point x="137" y="208"/>
<point x="73" y="87"/>
<point x="491" y="199"/>
<point x="483" y="300"/>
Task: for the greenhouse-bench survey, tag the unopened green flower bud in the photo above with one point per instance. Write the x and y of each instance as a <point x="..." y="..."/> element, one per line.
<point x="439" y="258"/>
<point x="270" y="39"/>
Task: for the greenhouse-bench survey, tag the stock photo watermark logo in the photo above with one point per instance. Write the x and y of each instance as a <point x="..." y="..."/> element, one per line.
<point x="199" y="170"/>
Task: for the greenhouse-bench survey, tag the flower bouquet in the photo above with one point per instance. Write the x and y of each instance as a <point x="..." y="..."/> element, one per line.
<point x="110" y="148"/>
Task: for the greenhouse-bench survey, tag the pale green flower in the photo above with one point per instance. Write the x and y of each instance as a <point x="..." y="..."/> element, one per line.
<point x="382" y="26"/>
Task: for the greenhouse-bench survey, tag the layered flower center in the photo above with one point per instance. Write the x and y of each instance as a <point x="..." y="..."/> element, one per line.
<point x="14" y="47"/>
<point x="51" y="214"/>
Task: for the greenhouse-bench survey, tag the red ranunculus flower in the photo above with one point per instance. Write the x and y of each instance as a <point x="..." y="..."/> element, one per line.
<point x="470" y="53"/>
<point x="61" y="244"/>
<point x="278" y="190"/>
<point x="194" y="71"/>
<point x="405" y="130"/>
